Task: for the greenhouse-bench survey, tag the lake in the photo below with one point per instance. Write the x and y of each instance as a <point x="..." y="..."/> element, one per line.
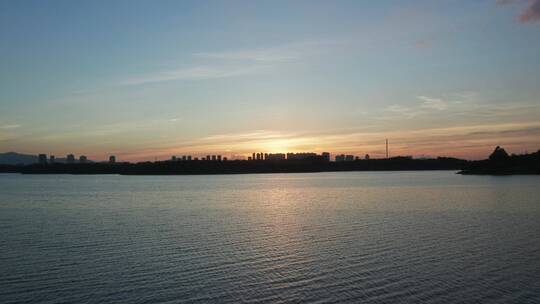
<point x="369" y="237"/>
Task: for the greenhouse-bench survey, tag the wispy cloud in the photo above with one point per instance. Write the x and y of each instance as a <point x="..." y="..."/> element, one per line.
<point x="428" y="104"/>
<point x="505" y="2"/>
<point x="196" y="73"/>
<point x="395" y="108"/>
<point x="9" y="127"/>
<point x="530" y="14"/>
<point x="7" y="132"/>
<point x="262" y="55"/>
<point x="433" y="103"/>
<point x="254" y="135"/>
<point x="471" y="141"/>
<point x="422" y="43"/>
<point x="235" y="63"/>
<point x="287" y="52"/>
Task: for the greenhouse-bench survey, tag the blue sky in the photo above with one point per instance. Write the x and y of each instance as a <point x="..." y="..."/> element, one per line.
<point x="146" y="79"/>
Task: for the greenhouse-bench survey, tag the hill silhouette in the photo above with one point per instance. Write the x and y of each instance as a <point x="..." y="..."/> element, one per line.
<point x="14" y="158"/>
<point x="500" y="163"/>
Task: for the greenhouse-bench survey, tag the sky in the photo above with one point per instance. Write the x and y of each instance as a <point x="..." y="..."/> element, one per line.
<point x="146" y="80"/>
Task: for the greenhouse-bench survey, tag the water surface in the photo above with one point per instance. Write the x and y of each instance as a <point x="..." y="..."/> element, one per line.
<point x="373" y="237"/>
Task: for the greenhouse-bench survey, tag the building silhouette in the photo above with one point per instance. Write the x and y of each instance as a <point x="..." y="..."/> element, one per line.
<point x="344" y="158"/>
<point x="52" y="159"/>
<point x="112" y="159"/>
<point x="275" y="156"/>
<point x="325" y="156"/>
<point x="301" y="156"/>
<point x="42" y="158"/>
<point x="83" y="159"/>
<point x="70" y="158"/>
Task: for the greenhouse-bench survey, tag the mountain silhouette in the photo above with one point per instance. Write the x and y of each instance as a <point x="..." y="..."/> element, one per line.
<point x="14" y="158"/>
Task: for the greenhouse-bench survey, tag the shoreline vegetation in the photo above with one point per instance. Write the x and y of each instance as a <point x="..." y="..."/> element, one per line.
<point x="498" y="163"/>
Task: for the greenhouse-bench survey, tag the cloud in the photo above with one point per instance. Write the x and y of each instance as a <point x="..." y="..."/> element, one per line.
<point x="425" y="42"/>
<point x="505" y="2"/>
<point x="9" y="127"/>
<point x="397" y="109"/>
<point x="428" y="105"/>
<point x="287" y="52"/>
<point x="422" y="43"/>
<point x="472" y="141"/>
<point x="262" y="55"/>
<point x="532" y="13"/>
<point x="236" y="63"/>
<point x="433" y="103"/>
<point x="196" y="73"/>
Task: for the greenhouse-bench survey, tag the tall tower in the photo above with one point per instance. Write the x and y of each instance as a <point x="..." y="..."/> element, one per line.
<point x="387" y="148"/>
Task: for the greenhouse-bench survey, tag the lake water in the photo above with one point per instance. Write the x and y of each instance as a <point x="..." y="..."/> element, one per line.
<point x="369" y="237"/>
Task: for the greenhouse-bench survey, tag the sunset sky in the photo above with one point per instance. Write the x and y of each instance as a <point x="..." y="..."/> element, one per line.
<point x="147" y="79"/>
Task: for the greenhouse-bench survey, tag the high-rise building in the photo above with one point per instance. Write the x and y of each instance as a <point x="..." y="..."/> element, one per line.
<point x="301" y="156"/>
<point x="189" y="157"/>
<point x="275" y="156"/>
<point x="213" y="157"/>
<point x="219" y="158"/>
<point x="173" y="158"/>
<point x="252" y="156"/>
<point x="184" y="158"/>
<point x="52" y="159"/>
<point x="340" y="158"/>
<point x="366" y="157"/>
<point x="225" y="158"/>
<point x="70" y="158"/>
<point x="42" y="158"/>
<point x="325" y="156"/>
<point x="207" y="157"/>
<point x="349" y="158"/>
<point x="112" y="159"/>
<point x="83" y="159"/>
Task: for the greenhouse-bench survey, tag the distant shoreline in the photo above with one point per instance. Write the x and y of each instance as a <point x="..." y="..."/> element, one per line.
<point x="240" y="173"/>
<point x="502" y="164"/>
<point x="239" y="167"/>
